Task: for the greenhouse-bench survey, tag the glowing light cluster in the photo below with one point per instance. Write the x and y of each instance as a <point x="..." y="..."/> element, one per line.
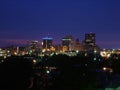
<point x="105" y="54"/>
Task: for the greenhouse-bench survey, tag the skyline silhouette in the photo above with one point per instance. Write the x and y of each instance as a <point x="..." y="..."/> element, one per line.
<point x="32" y="20"/>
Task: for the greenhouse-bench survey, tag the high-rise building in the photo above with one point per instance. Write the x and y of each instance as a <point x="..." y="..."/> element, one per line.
<point x="47" y="43"/>
<point x="34" y="45"/>
<point x="78" y="46"/>
<point x="90" y="40"/>
<point x="67" y="43"/>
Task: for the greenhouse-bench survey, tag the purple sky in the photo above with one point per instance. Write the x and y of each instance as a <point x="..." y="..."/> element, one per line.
<point x="22" y="20"/>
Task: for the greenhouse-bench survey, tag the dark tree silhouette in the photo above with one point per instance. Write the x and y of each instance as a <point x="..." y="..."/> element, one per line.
<point x="15" y="74"/>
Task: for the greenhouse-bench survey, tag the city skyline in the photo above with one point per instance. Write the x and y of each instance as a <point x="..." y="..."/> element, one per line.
<point x="32" y="20"/>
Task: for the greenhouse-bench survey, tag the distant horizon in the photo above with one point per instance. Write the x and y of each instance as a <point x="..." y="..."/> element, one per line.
<point x="23" y="42"/>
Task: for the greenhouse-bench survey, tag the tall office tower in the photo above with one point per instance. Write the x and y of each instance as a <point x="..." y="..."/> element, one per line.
<point x="78" y="46"/>
<point x="47" y="43"/>
<point x="34" y="45"/>
<point x="90" y="40"/>
<point x="67" y="43"/>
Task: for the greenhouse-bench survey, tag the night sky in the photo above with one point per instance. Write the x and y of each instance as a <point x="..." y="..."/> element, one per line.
<point x="22" y="20"/>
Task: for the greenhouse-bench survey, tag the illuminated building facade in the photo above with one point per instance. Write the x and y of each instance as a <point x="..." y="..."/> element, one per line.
<point x="67" y="43"/>
<point x="47" y="43"/>
<point x="34" y="45"/>
<point x="14" y="50"/>
<point x="58" y="48"/>
<point x="2" y="52"/>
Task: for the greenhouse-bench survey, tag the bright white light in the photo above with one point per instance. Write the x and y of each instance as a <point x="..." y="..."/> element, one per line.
<point x="108" y="55"/>
<point x="77" y="51"/>
<point x="34" y="61"/>
<point x="47" y="71"/>
<point x="95" y="51"/>
<point x="104" y="68"/>
<point x="42" y="43"/>
<point x="43" y="50"/>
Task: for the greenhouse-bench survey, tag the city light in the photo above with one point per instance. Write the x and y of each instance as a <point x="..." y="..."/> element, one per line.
<point x="34" y="61"/>
<point x="108" y="69"/>
<point x="60" y="45"/>
<point x="104" y="68"/>
<point x="47" y="71"/>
